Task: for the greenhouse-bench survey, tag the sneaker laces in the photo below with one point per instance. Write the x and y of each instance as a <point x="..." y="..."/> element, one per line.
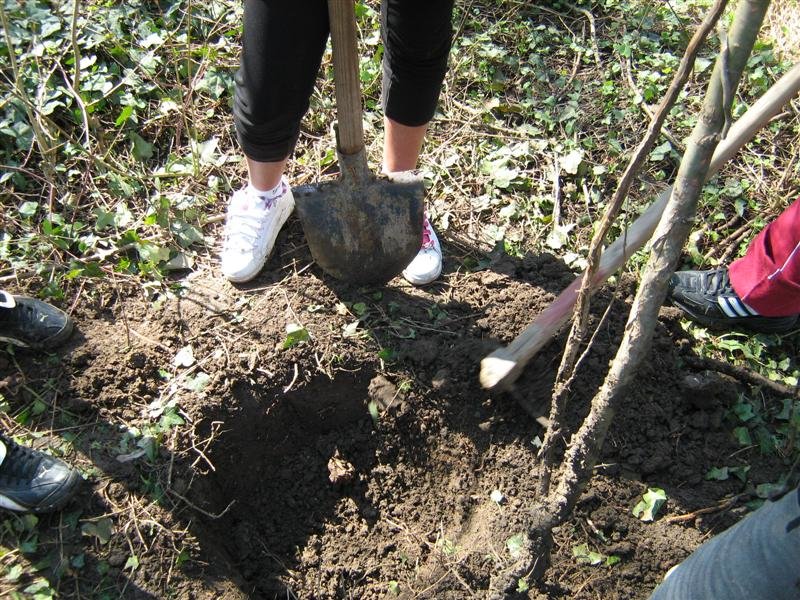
<point x="718" y="283"/>
<point x="28" y="318"/>
<point x="20" y="463"/>
<point x="246" y="219"/>
<point x="427" y="242"/>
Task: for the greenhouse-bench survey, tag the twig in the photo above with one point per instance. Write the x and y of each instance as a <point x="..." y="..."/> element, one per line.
<point x="200" y="510"/>
<point x="150" y="340"/>
<point x="729" y="241"/>
<point x="590" y="17"/>
<point x="732" y="240"/>
<point x="725" y="504"/>
<point x="744" y="375"/>
<point x="26" y="172"/>
<point x="288" y="388"/>
<point x="556" y="194"/>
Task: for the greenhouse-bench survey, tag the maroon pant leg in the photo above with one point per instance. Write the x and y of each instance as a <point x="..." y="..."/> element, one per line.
<point x="767" y="278"/>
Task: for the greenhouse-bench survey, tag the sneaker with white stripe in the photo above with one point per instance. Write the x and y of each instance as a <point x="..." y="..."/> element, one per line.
<point x="708" y="298"/>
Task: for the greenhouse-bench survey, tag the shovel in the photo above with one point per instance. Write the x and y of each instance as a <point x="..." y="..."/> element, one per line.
<point x="360" y="228"/>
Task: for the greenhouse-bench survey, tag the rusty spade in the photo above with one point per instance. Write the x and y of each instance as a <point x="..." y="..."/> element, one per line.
<point x="360" y="228"/>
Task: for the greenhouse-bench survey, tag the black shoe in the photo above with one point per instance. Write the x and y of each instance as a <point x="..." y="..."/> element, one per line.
<point x="708" y="298"/>
<point x="31" y="323"/>
<point x="32" y="481"/>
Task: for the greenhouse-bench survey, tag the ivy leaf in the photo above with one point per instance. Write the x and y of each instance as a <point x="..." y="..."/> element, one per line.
<point x="350" y="329"/>
<point x="740" y="472"/>
<point x="142" y="149"/>
<point x="514" y="544"/>
<point x="124" y="115"/>
<point x="769" y="490"/>
<point x="649" y="505"/>
<point x="571" y="162"/>
<point x="197" y="383"/>
<point x="744" y="410"/>
<point x="208" y="152"/>
<point x="742" y="435"/>
<point x="184" y="357"/>
<point x="585" y="556"/>
<point x="100" y="529"/>
<point x="558" y="237"/>
<point x="387" y="355"/>
<point x="169" y="420"/>
<point x="717" y="474"/>
<point x="28" y="209"/>
<point x="154" y="253"/>
<point x="13" y="573"/>
<point x="372" y="407"/>
<point x="294" y="335"/>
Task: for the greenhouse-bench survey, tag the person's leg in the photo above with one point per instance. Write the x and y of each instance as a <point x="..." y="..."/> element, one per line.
<point x="282" y="47"/>
<point x="755" y="559"/>
<point x="401" y="145"/>
<point x="416" y="35"/>
<point x="767" y="278"/>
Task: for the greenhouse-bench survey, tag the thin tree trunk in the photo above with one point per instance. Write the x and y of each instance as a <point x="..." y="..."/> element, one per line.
<point x="577" y="334"/>
<point x="670" y="238"/>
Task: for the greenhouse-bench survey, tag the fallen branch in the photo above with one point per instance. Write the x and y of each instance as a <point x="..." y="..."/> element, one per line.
<point x="724" y="505"/>
<point x="743" y="375"/>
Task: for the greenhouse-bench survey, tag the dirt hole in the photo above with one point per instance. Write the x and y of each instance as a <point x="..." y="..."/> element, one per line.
<point x="272" y="458"/>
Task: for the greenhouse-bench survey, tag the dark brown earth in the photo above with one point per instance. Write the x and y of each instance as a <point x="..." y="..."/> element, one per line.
<point x="239" y="502"/>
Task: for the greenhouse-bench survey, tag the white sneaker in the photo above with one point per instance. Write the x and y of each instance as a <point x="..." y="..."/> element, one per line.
<point x="251" y="226"/>
<point x="427" y="264"/>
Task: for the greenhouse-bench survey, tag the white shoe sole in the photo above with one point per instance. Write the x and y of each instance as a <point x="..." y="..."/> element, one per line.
<point x="418" y="281"/>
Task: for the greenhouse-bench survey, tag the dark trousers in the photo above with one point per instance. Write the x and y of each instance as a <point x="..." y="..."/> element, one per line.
<point x="283" y="43"/>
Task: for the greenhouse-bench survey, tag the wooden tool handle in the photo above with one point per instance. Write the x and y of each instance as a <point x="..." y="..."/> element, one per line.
<point x="350" y="136"/>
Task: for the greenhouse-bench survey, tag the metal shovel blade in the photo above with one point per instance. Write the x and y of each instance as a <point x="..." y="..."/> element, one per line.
<point x="362" y="229"/>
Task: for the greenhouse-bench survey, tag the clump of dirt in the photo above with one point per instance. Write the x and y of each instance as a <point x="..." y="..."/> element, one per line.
<point x="361" y="461"/>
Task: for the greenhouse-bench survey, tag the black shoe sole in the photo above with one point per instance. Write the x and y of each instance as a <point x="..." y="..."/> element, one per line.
<point x="754" y="324"/>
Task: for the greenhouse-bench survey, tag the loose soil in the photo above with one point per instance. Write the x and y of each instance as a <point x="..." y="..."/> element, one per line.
<point x="323" y="471"/>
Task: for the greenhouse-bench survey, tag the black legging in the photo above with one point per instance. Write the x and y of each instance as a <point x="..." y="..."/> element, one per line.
<point x="283" y="43"/>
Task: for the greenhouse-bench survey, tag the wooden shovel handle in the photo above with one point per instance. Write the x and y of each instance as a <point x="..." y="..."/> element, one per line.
<point x="350" y="137"/>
